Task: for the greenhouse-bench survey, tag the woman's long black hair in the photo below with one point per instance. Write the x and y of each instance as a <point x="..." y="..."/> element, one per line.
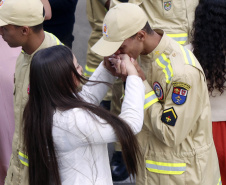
<point x="52" y="87"/>
<point x="209" y="41"/>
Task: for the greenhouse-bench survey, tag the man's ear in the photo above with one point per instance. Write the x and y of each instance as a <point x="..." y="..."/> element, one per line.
<point x="25" y="30"/>
<point x="141" y="35"/>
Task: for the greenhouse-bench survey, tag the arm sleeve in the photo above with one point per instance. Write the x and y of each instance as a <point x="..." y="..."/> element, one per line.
<point x="94" y="93"/>
<point x="186" y="114"/>
<point x="84" y="128"/>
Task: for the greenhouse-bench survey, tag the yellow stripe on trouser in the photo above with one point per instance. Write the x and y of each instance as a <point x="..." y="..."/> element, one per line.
<point x="181" y="38"/>
<point x="219" y="182"/>
<point x="150" y="98"/>
<point x="165" y="64"/>
<point x="165" y="168"/>
<point x="188" y="56"/>
<point x="23" y="158"/>
<point x="89" y="71"/>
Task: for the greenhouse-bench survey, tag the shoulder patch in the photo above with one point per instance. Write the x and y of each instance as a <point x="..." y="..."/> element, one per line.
<point x="158" y="90"/>
<point x="180" y="92"/>
<point x="169" y="116"/>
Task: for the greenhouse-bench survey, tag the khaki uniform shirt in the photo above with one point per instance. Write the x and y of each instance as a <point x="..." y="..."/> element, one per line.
<point x="18" y="169"/>
<point x="176" y="138"/>
<point x="175" y="17"/>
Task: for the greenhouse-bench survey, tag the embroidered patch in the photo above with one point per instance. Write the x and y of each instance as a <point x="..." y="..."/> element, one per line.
<point x="180" y="92"/>
<point x="169" y="116"/>
<point x="105" y="31"/>
<point x="1" y="2"/>
<point x="158" y="90"/>
<point x="28" y="89"/>
<point x="167" y="5"/>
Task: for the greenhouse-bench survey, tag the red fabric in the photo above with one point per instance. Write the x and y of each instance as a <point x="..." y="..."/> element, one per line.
<point x="219" y="137"/>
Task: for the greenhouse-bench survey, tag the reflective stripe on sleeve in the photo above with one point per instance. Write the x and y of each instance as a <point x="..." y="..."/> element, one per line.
<point x="180" y="38"/>
<point x="23" y="158"/>
<point x="188" y="56"/>
<point x="219" y="182"/>
<point x="166" y="168"/>
<point x="89" y="71"/>
<point x="165" y="64"/>
<point x="150" y="98"/>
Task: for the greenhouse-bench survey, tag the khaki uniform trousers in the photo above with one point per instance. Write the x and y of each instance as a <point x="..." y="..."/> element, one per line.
<point x="95" y="11"/>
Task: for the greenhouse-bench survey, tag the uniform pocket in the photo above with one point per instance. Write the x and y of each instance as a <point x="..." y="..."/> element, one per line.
<point x="163" y="171"/>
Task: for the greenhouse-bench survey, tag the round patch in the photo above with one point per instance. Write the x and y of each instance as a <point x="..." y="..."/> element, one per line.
<point x="158" y="90"/>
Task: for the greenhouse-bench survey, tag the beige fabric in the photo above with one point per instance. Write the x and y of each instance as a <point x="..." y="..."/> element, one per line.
<point x="178" y="19"/>
<point x="21" y="12"/>
<point x="17" y="172"/>
<point x="190" y="140"/>
<point x="95" y="14"/>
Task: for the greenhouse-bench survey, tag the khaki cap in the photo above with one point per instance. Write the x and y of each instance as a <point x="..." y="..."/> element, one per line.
<point x="21" y="12"/>
<point x="121" y="22"/>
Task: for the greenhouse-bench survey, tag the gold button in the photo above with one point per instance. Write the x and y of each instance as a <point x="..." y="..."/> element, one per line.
<point x="174" y="54"/>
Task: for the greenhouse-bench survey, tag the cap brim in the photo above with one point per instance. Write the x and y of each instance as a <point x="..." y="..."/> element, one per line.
<point x="2" y="23"/>
<point x="105" y="48"/>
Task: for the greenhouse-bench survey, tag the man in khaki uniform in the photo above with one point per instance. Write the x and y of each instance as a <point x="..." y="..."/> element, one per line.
<point x="174" y="17"/>
<point x="176" y="138"/>
<point x="21" y="25"/>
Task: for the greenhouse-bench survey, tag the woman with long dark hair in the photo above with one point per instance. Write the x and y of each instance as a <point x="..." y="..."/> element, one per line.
<point x="209" y="47"/>
<point x="66" y="131"/>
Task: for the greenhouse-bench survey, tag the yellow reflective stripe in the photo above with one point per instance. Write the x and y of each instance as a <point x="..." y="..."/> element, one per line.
<point x="89" y="71"/>
<point x="181" y="38"/>
<point x="165" y="64"/>
<point x="178" y="35"/>
<point x="150" y="99"/>
<point x="219" y="182"/>
<point x="55" y="38"/>
<point x="165" y="168"/>
<point x="23" y="158"/>
<point x="188" y="56"/>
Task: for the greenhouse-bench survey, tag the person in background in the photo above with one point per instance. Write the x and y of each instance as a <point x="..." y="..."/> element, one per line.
<point x="176" y="138"/>
<point x="7" y="69"/>
<point x="62" y="22"/>
<point x="96" y="10"/>
<point x="209" y="47"/>
<point x="69" y="129"/>
<point x="26" y="30"/>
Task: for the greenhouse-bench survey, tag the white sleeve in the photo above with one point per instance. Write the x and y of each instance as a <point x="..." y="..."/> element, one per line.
<point x="95" y="93"/>
<point x="84" y="129"/>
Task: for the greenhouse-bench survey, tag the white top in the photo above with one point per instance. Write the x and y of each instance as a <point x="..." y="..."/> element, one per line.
<point x="218" y="105"/>
<point x="81" y="139"/>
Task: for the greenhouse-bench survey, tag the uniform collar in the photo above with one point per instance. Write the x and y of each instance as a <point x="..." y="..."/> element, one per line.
<point x="160" y="48"/>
